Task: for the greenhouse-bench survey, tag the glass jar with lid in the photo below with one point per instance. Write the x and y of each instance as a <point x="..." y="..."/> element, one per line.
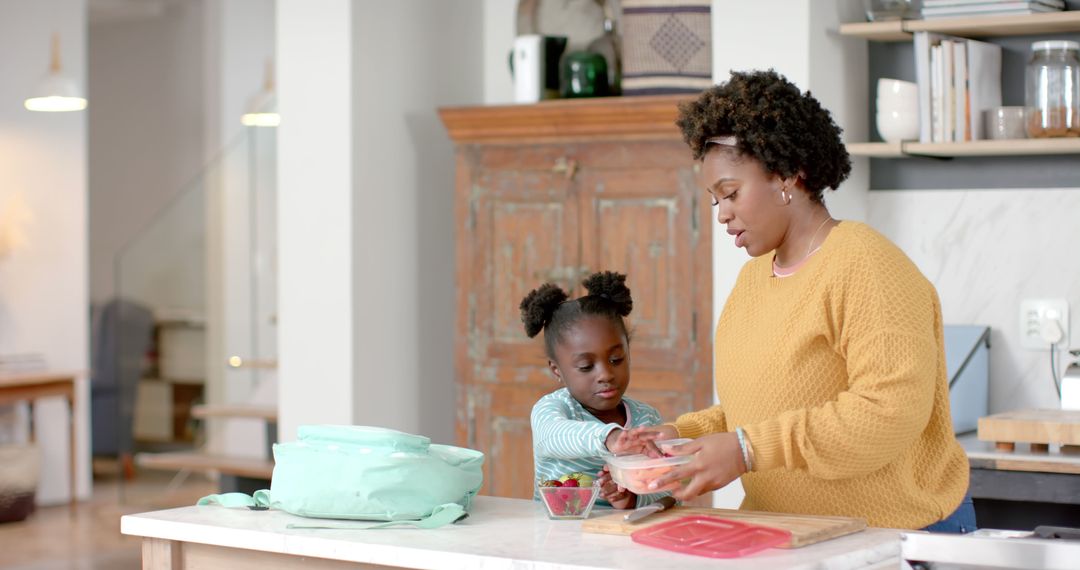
<point x="1052" y="93"/>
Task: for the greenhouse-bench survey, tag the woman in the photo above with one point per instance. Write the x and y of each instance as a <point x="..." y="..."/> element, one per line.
<point x="829" y="359"/>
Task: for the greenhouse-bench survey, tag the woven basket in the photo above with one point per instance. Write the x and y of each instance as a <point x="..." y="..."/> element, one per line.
<point x="20" y="466"/>
<point x="667" y="46"/>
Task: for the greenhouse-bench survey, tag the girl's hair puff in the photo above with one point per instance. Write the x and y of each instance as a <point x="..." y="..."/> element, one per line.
<point x="549" y="309"/>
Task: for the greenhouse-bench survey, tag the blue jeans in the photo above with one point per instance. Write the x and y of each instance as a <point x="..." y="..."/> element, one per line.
<point x="962" y="521"/>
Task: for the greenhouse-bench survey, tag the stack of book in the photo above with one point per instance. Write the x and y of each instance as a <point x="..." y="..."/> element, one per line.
<point x="958" y="80"/>
<point x="934" y="9"/>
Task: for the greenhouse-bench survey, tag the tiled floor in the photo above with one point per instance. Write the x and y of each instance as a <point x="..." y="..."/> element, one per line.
<point x="88" y="536"/>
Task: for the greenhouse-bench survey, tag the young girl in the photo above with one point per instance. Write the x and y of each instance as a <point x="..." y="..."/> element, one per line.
<point x="588" y="352"/>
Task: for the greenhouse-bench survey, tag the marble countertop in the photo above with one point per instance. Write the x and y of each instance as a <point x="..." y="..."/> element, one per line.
<point x="499" y="533"/>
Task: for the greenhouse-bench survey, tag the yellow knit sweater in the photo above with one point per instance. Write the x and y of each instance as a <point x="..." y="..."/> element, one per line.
<point x="837" y="375"/>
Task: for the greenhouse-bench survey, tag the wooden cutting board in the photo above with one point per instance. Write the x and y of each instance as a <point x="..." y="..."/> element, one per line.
<point x="804" y="529"/>
<point x="1032" y="426"/>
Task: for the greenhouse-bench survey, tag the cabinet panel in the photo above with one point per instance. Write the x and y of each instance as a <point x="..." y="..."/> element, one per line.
<point x="523" y="231"/>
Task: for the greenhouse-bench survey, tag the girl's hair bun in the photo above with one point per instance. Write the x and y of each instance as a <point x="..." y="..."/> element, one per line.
<point x="539" y="305"/>
<point x="611" y="287"/>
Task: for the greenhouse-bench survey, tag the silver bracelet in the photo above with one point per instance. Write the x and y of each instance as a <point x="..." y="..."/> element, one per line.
<point x="742" y="445"/>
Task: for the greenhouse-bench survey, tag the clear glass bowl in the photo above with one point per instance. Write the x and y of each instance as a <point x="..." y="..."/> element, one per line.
<point x="567" y="503"/>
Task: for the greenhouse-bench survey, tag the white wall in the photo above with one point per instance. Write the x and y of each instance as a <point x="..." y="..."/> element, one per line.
<point x="403" y="241"/>
<point x="146" y="145"/>
<point x="315" y="224"/>
<point x="986" y="251"/>
<point x="500" y="27"/>
<point x="43" y="286"/>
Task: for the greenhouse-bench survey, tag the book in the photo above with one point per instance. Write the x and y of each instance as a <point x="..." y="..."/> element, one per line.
<point x="962" y="110"/>
<point x="981" y="90"/>
<point x="937" y="95"/>
<point x="984" y="81"/>
<point x="948" y="91"/>
<point x="923" y="74"/>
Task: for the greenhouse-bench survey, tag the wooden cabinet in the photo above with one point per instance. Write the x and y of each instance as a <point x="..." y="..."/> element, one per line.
<point x="553" y="192"/>
<point x="980" y="27"/>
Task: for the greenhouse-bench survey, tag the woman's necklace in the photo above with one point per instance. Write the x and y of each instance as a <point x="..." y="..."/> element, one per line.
<point x="814" y="237"/>
<point x="790" y="270"/>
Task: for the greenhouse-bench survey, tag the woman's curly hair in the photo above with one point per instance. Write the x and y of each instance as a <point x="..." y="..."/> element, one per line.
<point x="548" y="309"/>
<point x="787" y="131"/>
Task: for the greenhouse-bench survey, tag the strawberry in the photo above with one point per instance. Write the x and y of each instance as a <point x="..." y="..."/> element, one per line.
<point x="571" y="483"/>
<point x="569" y="498"/>
<point x="556" y="503"/>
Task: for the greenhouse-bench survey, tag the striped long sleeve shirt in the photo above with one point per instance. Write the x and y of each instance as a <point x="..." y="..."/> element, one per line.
<point x="567" y="438"/>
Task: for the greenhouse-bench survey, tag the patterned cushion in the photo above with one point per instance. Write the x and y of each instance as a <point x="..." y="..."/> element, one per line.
<point x="667" y="46"/>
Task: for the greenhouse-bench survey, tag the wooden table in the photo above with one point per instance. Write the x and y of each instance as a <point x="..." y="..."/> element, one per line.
<point x="30" y="386"/>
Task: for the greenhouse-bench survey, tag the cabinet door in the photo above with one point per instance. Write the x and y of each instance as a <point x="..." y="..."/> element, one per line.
<point x="641" y="215"/>
<point x="519" y="228"/>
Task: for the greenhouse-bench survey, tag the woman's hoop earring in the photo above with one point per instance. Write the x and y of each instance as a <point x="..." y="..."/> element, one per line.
<point x="786" y="196"/>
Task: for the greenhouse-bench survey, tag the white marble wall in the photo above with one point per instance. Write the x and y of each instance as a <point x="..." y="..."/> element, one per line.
<point x="985" y="251"/>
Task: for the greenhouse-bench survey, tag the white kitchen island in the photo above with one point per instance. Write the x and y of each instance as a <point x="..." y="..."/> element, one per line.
<point x="499" y="533"/>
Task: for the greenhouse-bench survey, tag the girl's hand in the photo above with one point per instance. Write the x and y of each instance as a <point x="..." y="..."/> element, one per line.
<point x="611" y="492"/>
<point x="639" y="440"/>
<point x="718" y="461"/>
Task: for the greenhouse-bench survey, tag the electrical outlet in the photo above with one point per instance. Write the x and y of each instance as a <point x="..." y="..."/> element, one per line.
<point x="1044" y="322"/>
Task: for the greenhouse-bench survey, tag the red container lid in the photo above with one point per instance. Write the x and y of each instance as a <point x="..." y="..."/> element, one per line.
<point x="711" y="536"/>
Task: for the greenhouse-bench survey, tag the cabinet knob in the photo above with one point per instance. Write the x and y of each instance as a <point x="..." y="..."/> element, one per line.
<point x="567" y="166"/>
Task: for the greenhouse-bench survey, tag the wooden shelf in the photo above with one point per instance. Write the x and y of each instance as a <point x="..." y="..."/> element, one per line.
<point x="968" y="26"/>
<point x="877" y="31"/>
<point x="1019" y="147"/>
<point x="876" y="149"/>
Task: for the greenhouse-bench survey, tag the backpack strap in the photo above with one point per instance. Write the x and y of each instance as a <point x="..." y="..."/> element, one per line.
<point x="260" y="501"/>
<point x="441" y="515"/>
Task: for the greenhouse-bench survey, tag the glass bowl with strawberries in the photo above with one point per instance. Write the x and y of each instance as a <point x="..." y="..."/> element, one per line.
<point x="567" y="499"/>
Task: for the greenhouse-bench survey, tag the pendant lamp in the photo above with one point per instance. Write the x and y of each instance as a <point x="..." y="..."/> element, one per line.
<point x="56" y="92"/>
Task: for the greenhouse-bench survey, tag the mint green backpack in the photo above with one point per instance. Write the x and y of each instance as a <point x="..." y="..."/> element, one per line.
<point x="367" y="473"/>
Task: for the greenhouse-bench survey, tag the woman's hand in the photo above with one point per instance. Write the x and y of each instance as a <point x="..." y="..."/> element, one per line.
<point x="717" y="461"/>
<point x="639" y="440"/>
<point x="611" y="492"/>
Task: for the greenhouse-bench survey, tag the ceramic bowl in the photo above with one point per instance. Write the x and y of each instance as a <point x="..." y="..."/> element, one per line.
<point x="897" y="92"/>
<point x="896" y="126"/>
